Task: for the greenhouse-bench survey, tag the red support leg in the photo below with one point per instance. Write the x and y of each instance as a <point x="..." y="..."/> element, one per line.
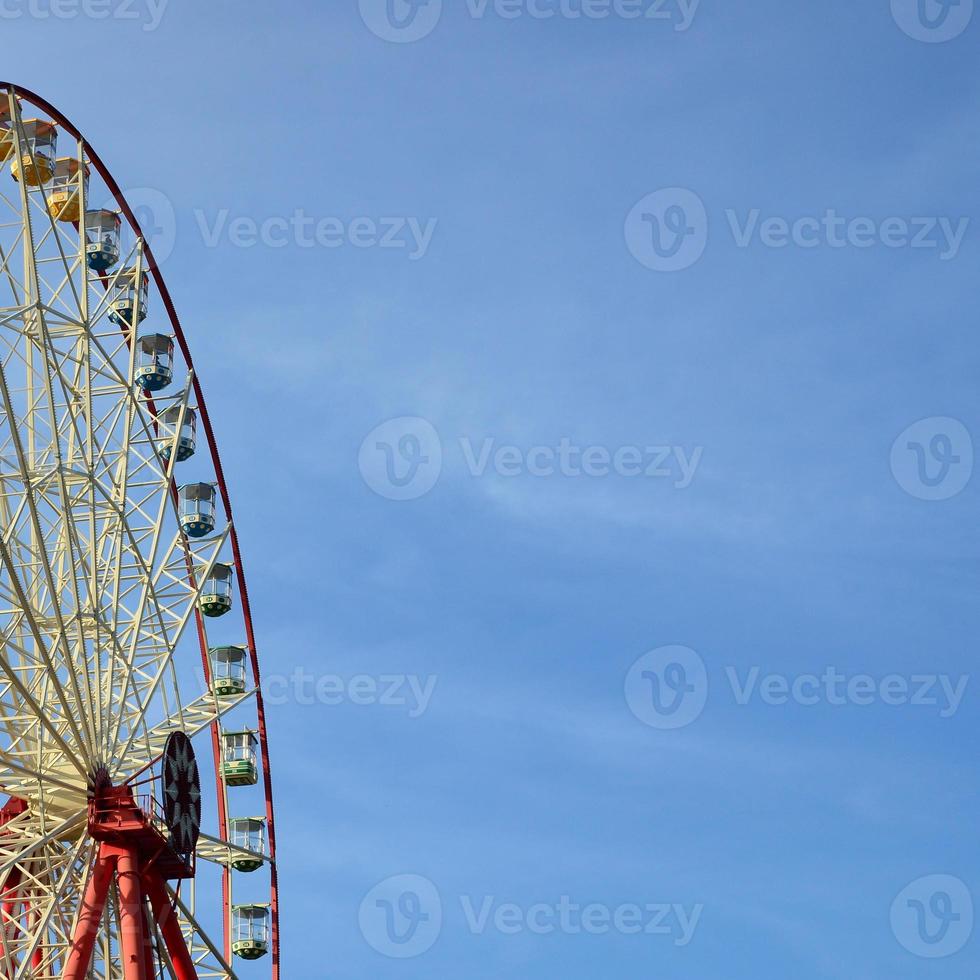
<point x="131" y="915"/>
<point x="170" y="927"/>
<point x="8" y="927"/>
<point x="148" y="958"/>
<point x="10" y="914"/>
<point x="9" y="894"/>
<point x="90" y="917"/>
<point x="12" y="809"/>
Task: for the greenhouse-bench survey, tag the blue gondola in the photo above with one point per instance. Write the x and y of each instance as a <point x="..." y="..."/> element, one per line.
<point x="102" y="232"/>
<point x="186" y="439"/>
<point x="127" y="307"/>
<point x="154" y="361"/>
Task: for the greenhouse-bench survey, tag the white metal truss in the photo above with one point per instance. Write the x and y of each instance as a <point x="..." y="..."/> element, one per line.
<point x="98" y="585"/>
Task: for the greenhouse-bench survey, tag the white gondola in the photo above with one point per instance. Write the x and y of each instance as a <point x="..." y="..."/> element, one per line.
<point x="228" y="670"/>
<point x="247" y="833"/>
<point x="250" y="932"/>
<point x="216" y="591"/>
<point x="169" y="422"/>
<point x="239" y="758"/>
<point x="196" y="502"/>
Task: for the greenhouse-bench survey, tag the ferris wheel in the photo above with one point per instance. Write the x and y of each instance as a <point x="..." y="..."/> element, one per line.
<point x="137" y="840"/>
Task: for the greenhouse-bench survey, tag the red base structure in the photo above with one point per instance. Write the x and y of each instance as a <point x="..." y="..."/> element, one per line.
<point x="135" y="855"/>
<point x="14" y="907"/>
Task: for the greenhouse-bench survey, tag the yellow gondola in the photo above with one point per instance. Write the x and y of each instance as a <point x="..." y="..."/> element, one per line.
<point x="6" y="130"/>
<point x="65" y="197"/>
<point x="38" y="151"/>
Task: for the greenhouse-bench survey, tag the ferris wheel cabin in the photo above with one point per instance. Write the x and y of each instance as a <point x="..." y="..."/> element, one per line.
<point x="103" y="234"/>
<point x="216" y="592"/>
<point x="239" y="758"/>
<point x="177" y="425"/>
<point x="129" y="294"/>
<point x="250" y="939"/>
<point x="38" y="152"/>
<point x="154" y="361"/>
<point x="248" y="834"/>
<point x="228" y="671"/>
<point x="197" y="507"/>
<point x="65" y="192"/>
<point x="6" y="128"/>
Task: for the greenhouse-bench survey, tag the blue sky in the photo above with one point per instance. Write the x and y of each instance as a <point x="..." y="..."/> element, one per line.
<point x="782" y="375"/>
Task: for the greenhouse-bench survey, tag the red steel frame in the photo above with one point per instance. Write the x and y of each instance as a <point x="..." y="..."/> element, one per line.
<point x="137" y="883"/>
<point x="103" y="171"/>
<point x="136" y="855"/>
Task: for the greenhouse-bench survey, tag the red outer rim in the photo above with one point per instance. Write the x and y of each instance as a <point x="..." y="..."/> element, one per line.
<point x="110" y="181"/>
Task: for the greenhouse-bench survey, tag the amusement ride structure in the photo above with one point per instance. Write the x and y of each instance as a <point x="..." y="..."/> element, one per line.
<point x="133" y="749"/>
